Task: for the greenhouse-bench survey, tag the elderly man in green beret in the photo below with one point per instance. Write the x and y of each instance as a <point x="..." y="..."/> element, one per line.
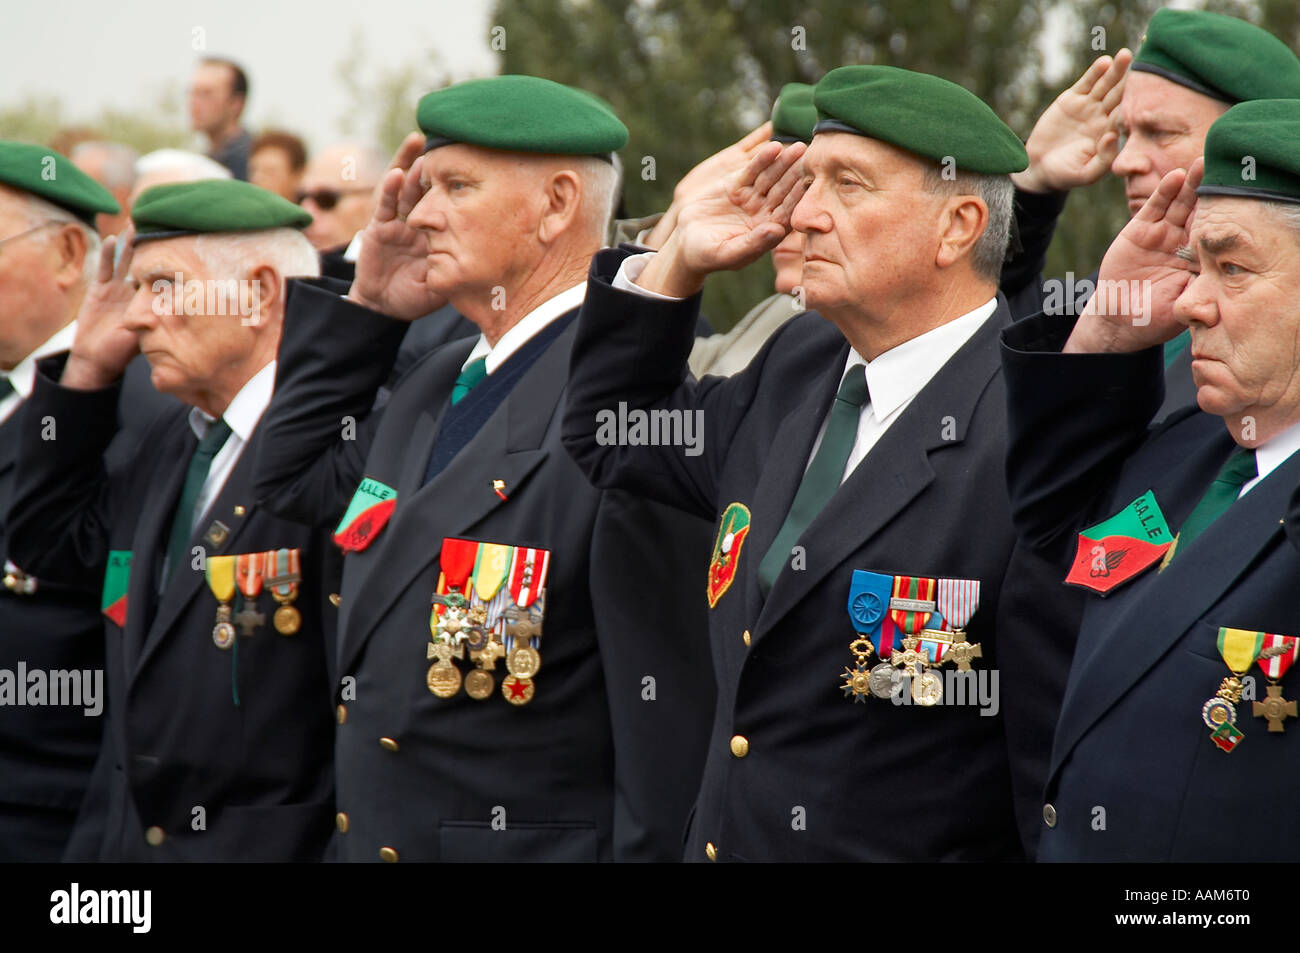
<point x="1191" y="67"/>
<point x="513" y="685"/>
<point x="48" y="251"/>
<point x="1177" y="738"/>
<point x="218" y="617"/>
<point x="881" y="642"/>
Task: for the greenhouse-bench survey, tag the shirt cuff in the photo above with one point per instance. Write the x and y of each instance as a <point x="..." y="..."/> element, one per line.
<point x="630" y="271"/>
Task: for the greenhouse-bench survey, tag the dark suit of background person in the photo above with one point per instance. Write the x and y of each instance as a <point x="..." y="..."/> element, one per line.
<point x="877" y="781"/>
<point x="47" y="752"/>
<point x="174" y="738"/>
<point x="589" y="769"/>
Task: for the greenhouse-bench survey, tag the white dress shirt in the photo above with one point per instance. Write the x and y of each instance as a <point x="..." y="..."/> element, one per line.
<point x="894" y="378"/>
<point x="527" y="328"/>
<point x="23" y="377"/>
<point x="1272" y="454"/>
<point x="242" y="417"/>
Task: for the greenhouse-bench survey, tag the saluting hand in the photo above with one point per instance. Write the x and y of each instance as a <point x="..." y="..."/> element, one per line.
<point x="392" y="268"/>
<point x="1074" y="142"/>
<point x="103" y="346"/>
<point x="744" y="215"/>
<point x="1143" y="273"/>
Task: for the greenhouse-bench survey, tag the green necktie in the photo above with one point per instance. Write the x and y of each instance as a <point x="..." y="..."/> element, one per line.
<point x="823" y="475"/>
<point x="183" y="522"/>
<point x="1236" y="473"/>
<point x="1175" y="347"/>
<point x="6" y="388"/>
<point x="474" y="372"/>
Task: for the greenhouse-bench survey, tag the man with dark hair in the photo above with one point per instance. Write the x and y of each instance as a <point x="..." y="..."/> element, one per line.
<point x="217" y="96"/>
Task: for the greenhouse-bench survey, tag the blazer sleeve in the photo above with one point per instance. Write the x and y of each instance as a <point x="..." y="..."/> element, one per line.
<point x="59" y="514"/>
<point x="652" y="627"/>
<point x="1022" y="273"/>
<point x="1073" y="420"/>
<point x="630" y="355"/>
<point x="334" y="356"/>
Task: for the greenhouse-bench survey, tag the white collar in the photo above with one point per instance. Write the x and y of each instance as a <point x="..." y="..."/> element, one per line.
<point x="526" y="328"/>
<point x="1272" y="454"/>
<point x="898" y="375"/>
<point x="245" y="410"/>
<point x="23" y="376"/>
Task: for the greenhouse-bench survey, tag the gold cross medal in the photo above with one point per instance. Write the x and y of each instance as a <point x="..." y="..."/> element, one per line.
<point x="487" y="596"/>
<point x="220" y="572"/>
<point x="1275" y="657"/>
<point x="449" y="620"/>
<point x="1239" y="649"/>
<point x="248" y="573"/>
<point x="911" y="606"/>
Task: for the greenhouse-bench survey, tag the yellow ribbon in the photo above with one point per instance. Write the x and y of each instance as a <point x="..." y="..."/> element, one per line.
<point x="221" y="577"/>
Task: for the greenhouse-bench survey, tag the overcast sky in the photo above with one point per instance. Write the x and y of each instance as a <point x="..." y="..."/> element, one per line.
<point x="126" y="54"/>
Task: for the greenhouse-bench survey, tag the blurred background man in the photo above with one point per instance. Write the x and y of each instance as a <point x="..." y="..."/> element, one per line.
<point x="217" y="95"/>
<point x="338" y="189"/>
<point x="112" y="165"/>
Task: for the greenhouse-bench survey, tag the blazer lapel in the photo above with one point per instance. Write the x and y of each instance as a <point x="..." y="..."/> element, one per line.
<point x="1176" y="597"/>
<point x="185" y="582"/>
<point x="893" y="472"/>
<point x="508" y="447"/>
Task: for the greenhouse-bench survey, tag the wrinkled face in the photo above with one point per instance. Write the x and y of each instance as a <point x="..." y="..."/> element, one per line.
<point x="1243" y="309"/>
<point x="869" y="228"/>
<point x="338" y="197"/>
<point x="32" y="305"/>
<point x="212" y="100"/>
<point x="787" y="258"/>
<point x="1162" y="127"/>
<point x="269" y="168"/>
<point x="480" y="217"/>
<point x="188" y="342"/>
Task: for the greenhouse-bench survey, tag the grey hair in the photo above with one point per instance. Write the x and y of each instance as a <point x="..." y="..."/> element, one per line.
<point x="227" y="256"/>
<point x="38" y="212"/>
<point x="1288" y="214"/>
<point x="600" y="186"/>
<point x="119" y="162"/>
<point x="188" y="166"/>
<point x="998" y="193"/>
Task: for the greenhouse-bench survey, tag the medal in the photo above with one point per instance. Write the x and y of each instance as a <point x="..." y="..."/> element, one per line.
<point x="449" y="617"/>
<point x="443" y="677"/>
<point x="1276" y="654"/>
<point x="220" y="572"/>
<point x="733" y="527"/>
<point x="957" y="600"/>
<point x="857" y="682"/>
<point x="885" y="681"/>
<point x="283" y="573"/>
<point x="1239" y="648"/>
<point x="480" y="683"/>
<point x="911" y="606"/>
<point x="248" y="574"/>
<point x="927" y="688"/>
<point x="517" y="691"/>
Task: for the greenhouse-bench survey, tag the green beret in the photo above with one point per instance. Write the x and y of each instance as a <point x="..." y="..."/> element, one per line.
<point x="793" y="114"/>
<point x="211" y="205"/>
<point x="1218" y="56"/>
<point x="921" y="113"/>
<point x="53" y="177"/>
<point x="1253" y="151"/>
<point x="521" y="114"/>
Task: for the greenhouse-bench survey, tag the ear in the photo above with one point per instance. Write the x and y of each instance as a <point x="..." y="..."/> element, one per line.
<point x="961" y="224"/>
<point x="262" y="305"/>
<point x="70" y="249"/>
<point x="560" y="205"/>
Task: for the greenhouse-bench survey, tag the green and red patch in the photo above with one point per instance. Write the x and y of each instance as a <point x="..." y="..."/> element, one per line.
<point x="1118" y="549"/>
<point x="370" y="510"/>
<point x="117" y="578"/>
<point x="732" y="530"/>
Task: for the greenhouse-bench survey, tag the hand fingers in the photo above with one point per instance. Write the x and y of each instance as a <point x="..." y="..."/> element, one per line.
<point x="1157" y="206"/>
<point x="766" y="185"/>
<point x="105" y="271"/>
<point x="746" y="248"/>
<point x="127" y="243"/>
<point x="1112" y="75"/>
<point x="791" y="178"/>
<point x="752" y="140"/>
<point x="1092" y="75"/>
<point x="389" y="186"/>
<point x="1183" y="203"/>
<point x="412" y="189"/>
<point x="412" y="148"/>
<point x="786" y="208"/>
<point x="764" y="157"/>
<point x="1107" y="150"/>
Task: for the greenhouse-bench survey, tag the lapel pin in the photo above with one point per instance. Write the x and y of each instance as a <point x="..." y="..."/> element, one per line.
<point x="217" y="533"/>
<point x="239" y="510"/>
<point x="499" y="488"/>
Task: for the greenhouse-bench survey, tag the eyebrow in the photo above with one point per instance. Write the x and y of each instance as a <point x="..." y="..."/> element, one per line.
<point x="1217" y="246"/>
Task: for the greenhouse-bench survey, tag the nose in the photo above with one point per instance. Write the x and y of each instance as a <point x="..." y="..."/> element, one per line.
<point x="427" y="214"/>
<point x="1197" y="303"/>
<point x="146" y="306"/>
<point x="808" y="215"/>
<point x="1131" y="160"/>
